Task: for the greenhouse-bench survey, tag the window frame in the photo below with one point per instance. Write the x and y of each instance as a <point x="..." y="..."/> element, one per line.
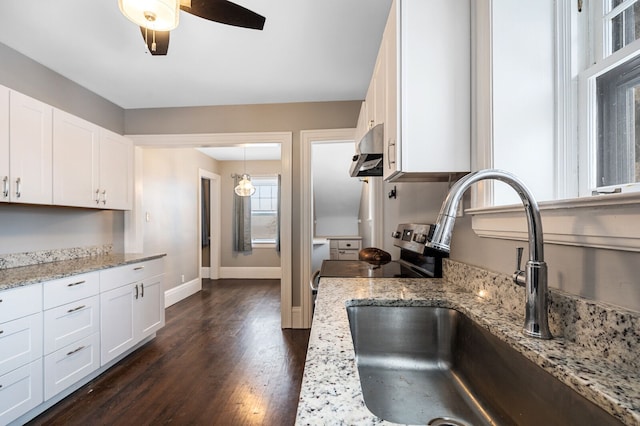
<point x="255" y="179"/>
<point x="576" y="218"/>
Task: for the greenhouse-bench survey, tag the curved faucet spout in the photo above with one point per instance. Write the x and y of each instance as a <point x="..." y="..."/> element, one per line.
<point x="536" y="316"/>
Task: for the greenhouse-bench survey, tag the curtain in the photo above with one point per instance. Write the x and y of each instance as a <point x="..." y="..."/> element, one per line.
<point x="241" y="221"/>
<point x="279" y="211"/>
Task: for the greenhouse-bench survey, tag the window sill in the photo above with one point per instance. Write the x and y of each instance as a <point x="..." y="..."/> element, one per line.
<point x="263" y="245"/>
<point x="605" y="221"/>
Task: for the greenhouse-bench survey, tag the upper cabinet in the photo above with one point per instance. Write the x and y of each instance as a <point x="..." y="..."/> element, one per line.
<point x="421" y="90"/>
<point x="25" y="149"/>
<point x="92" y="167"/>
<point x="48" y="156"/>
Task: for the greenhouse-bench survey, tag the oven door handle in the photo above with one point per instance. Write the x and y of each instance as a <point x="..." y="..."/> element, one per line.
<point x="314" y="281"/>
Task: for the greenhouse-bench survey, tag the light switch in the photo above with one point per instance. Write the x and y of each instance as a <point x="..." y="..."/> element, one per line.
<point x="147" y="217"/>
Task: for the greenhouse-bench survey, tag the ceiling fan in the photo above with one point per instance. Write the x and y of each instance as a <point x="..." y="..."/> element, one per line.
<point x="157" y="18"/>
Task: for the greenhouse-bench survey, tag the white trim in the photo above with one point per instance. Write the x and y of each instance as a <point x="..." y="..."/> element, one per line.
<point x="229" y="139"/>
<point x="205" y="272"/>
<point x="133" y="219"/>
<point x="606" y="221"/>
<point x="308" y="137"/>
<point x="182" y="291"/>
<point x="255" y="272"/>
<point x="214" y="222"/>
<point x="297" y="318"/>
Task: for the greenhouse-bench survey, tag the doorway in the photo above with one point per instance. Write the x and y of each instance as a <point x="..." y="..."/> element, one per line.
<point x="134" y="229"/>
<point x="209" y="221"/>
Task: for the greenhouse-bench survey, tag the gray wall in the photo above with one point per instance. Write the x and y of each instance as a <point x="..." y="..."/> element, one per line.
<point x="29" y="77"/>
<point x="170" y="196"/>
<point x="253" y="118"/>
<point x="259" y="257"/>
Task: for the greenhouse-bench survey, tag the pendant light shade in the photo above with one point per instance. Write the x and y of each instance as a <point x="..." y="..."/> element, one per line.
<point x="157" y="15"/>
<point x="245" y="188"/>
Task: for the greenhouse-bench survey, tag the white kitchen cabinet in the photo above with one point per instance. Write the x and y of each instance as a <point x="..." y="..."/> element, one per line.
<point x="30" y="151"/>
<point x="92" y="167"/>
<point x="132" y="306"/>
<point x="428" y="92"/>
<point x="344" y="248"/>
<point x="20" y="391"/>
<point x="4" y="144"/>
<point x="71" y="330"/>
<point x="20" y="351"/>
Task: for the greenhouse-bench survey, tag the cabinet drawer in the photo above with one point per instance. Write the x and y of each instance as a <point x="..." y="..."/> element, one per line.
<point x="20" y="391"/>
<point x="67" y="323"/>
<point x="20" y="342"/>
<point x="348" y="255"/>
<point x="20" y="302"/>
<point x="349" y="244"/>
<point x="66" y="290"/>
<point x="121" y="275"/>
<point x="67" y="365"/>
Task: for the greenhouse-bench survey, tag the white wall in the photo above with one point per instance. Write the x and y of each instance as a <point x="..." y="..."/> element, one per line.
<point x="170" y="197"/>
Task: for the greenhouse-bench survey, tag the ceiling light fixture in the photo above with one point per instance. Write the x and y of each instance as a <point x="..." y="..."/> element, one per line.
<point x="156" y="15"/>
<point x="245" y="188"/>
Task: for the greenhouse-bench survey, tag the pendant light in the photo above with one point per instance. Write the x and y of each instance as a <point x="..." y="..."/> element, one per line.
<point x="155" y="15"/>
<point x="245" y="188"/>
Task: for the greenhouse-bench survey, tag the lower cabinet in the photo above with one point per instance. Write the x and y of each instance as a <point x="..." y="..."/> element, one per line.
<point x="129" y="314"/>
<point x="20" y="391"/>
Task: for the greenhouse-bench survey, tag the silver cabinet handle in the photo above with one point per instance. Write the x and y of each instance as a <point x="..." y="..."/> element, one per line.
<point x="138" y="268"/>
<point x="76" y="350"/>
<point x="137" y="291"/>
<point x="1" y="331"/>
<point x="18" y="188"/>
<point x="5" y="187"/>
<point x="76" y="309"/>
<point x="389" y="145"/>
<point x="98" y="196"/>
<point x="142" y="292"/>
<point x="104" y="197"/>
<point x="75" y="284"/>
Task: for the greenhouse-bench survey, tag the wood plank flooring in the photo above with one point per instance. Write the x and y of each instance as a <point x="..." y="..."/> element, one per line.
<point x="221" y="359"/>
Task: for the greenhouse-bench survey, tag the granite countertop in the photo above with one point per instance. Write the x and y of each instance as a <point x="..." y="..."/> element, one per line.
<point x="25" y="275"/>
<point x="331" y="392"/>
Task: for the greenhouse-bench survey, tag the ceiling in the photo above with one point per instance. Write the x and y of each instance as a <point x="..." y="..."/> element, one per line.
<point x="309" y="50"/>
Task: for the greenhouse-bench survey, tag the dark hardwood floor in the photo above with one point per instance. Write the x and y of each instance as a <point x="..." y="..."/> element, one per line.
<point x="221" y="359"/>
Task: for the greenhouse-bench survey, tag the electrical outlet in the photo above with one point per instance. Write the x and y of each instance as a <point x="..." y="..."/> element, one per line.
<point x="182" y="278"/>
<point x="147" y="217"/>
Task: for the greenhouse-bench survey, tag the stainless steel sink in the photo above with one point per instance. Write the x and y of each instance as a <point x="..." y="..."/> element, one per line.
<point x="435" y="366"/>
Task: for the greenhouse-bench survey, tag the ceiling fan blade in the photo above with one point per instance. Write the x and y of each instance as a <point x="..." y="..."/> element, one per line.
<point x="225" y="12"/>
<point x="161" y="39"/>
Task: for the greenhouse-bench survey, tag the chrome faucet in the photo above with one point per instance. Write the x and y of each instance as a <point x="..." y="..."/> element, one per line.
<point x="536" y="322"/>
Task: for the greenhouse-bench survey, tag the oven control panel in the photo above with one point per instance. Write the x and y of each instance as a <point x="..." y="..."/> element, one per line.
<point x="412" y="236"/>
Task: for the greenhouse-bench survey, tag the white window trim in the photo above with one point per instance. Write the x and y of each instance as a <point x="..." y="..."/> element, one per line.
<point x="606" y="221"/>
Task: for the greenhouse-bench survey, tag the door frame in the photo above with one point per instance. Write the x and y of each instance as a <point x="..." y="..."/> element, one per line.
<point x="214" y="221"/>
<point x="134" y="230"/>
<point x="307" y="139"/>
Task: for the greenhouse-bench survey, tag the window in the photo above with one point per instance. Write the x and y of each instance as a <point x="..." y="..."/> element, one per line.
<point x="613" y="96"/>
<point x="264" y="210"/>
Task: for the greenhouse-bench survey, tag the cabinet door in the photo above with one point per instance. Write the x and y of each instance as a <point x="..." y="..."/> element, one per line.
<point x="4" y="144"/>
<point x="75" y="161"/>
<point x="30" y="142"/>
<point x="117" y="333"/>
<point x="150" y="307"/>
<point x="116" y="171"/>
<point x="391" y="137"/>
<point x="20" y="391"/>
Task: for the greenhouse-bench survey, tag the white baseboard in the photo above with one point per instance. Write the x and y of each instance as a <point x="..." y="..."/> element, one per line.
<point x="251" y="272"/>
<point x="205" y="272"/>
<point x="176" y="294"/>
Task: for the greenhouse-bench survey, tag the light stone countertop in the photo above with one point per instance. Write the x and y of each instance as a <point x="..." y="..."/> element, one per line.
<point x="331" y="393"/>
<point x="25" y="275"/>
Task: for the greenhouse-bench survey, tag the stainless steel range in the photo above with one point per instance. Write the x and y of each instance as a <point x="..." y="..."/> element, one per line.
<point x="415" y="260"/>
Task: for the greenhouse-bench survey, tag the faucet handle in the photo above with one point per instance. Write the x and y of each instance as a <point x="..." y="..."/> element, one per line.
<point x="519" y="276"/>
